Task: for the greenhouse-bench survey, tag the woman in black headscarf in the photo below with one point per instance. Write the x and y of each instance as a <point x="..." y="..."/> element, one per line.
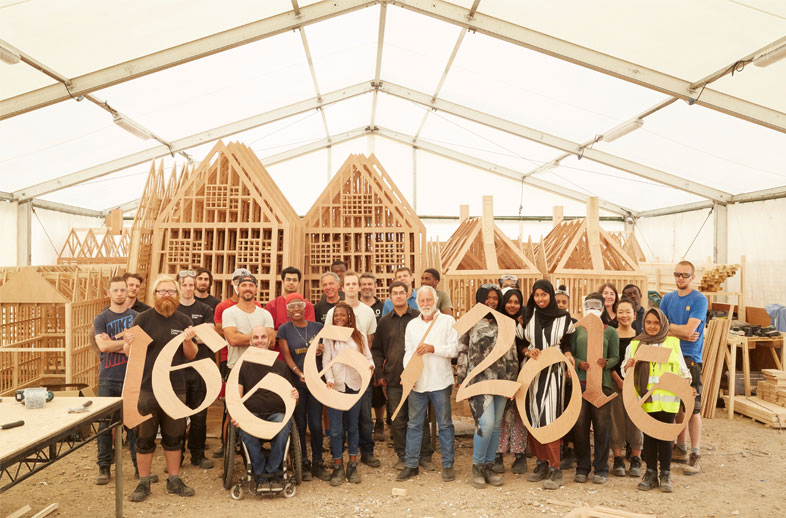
<point x="513" y="433"/>
<point x="545" y="325"/>
<point x="487" y="409"/>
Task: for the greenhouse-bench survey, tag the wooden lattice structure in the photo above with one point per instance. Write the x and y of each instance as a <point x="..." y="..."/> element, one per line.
<point x="95" y="246"/>
<point x="362" y="218"/>
<point x="46" y="319"/>
<point x="627" y="240"/>
<point x="228" y="213"/>
<point x="479" y="252"/>
<point x="582" y="256"/>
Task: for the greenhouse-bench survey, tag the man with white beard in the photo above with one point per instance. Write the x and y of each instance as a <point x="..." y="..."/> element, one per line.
<point x="162" y="324"/>
<point x="430" y="335"/>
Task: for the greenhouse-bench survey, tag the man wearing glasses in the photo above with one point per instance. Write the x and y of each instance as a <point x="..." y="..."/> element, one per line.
<point x="162" y="324"/>
<point x="686" y="310"/>
<point x="196" y="390"/>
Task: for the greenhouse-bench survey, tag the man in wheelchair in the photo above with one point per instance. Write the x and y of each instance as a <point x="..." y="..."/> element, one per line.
<point x="268" y="406"/>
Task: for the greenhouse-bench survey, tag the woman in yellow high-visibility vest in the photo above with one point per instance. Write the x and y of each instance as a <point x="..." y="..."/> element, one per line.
<point x="662" y="405"/>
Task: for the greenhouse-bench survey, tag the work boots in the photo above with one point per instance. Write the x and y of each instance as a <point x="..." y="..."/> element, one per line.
<point x="519" y="465"/>
<point x="141" y="492"/>
<point x="352" y="472"/>
<point x="650" y="481"/>
<point x="693" y="466"/>
<point x="337" y="478"/>
<point x="665" y="482"/>
<point x="540" y="472"/>
<point x="176" y="486"/>
<point x="478" y="476"/>
<point x="635" y="466"/>
<point x="103" y="476"/>
<point x="618" y="469"/>
<point x="555" y="479"/>
<point x="499" y="466"/>
<point x="491" y="476"/>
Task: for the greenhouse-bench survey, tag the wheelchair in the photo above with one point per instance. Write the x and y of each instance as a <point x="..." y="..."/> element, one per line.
<point x="291" y="470"/>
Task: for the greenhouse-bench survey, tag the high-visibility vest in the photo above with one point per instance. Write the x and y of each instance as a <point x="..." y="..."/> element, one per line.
<point x="661" y="400"/>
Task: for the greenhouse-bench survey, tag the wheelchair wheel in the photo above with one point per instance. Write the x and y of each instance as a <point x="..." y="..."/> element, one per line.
<point x="294" y="457"/>
<point x="230" y="450"/>
<point x="237" y="492"/>
<point x="290" y="491"/>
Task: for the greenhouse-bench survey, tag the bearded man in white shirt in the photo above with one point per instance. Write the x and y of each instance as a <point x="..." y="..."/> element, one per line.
<point x="435" y="383"/>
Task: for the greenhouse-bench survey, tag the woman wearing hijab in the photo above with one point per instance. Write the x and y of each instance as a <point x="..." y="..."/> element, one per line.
<point x="513" y="433"/>
<point x="545" y="325"/>
<point x="662" y="405"/>
<point x="487" y="409"/>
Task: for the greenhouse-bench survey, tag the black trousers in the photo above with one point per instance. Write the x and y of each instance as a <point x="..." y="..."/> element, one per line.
<point x="656" y="450"/>
<point x="196" y="390"/>
<point x="600" y="418"/>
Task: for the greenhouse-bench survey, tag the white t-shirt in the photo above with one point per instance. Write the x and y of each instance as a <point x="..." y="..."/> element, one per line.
<point x="364" y="316"/>
<point x="245" y="323"/>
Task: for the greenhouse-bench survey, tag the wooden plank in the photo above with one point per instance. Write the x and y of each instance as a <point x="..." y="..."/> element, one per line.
<point x="556" y="215"/>
<point x="487" y="231"/>
<point x="20" y="512"/>
<point x="46" y="511"/>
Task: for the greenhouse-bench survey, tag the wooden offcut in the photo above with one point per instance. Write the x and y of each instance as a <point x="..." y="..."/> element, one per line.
<point x="363" y="219"/>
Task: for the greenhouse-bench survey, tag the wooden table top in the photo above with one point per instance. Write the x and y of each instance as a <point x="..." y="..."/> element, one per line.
<point x="42" y="424"/>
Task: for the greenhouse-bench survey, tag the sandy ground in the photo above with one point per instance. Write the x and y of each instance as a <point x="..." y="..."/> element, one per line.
<point x="743" y="475"/>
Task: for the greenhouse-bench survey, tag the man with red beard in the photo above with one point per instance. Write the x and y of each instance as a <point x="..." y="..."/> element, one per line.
<point x="162" y="324"/>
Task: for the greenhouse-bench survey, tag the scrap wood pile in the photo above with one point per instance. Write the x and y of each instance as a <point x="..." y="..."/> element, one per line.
<point x="715" y="339"/>
<point x="713" y="278"/>
<point x="773" y="388"/>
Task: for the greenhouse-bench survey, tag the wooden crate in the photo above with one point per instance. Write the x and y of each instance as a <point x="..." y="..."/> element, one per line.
<point x="227" y="213"/>
<point x="479" y="252"/>
<point x="46" y="317"/>
<point x="363" y="219"/>
<point x="582" y="256"/>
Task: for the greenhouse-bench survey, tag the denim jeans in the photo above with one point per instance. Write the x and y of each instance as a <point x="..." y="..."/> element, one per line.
<point x="601" y="426"/>
<point x="486" y="438"/>
<point x="111" y="388"/>
<point x="366" y="423"/>
<point x="309" y="410"/>
<point x="337" y="428"/>
<point x="399" y="428"/>
<point x="418" y="404"/>
<point x="277" y="448"/>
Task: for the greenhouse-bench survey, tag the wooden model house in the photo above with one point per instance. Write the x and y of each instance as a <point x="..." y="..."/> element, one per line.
<point x="479" y="252"/>
<point x="362" y="218"/>
<point x="226" y="214"/>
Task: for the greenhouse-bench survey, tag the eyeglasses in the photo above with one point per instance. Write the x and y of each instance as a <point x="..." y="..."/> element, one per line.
<point x="679" y="275"/>
<point x="489" y="286"/>
<point x="186" y="273"/>
<point x="296" y="305"/>
<point x="166" y="292"/>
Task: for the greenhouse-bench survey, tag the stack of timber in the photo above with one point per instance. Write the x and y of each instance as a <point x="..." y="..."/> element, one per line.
<point x="582" y="256"/>
<point x="227" y="213"/>
<point x="364" y="220"/>
<point x="46" y="321"/>
<point x="479" y="252"/>
<point x="763" y="411"/>
<point x="714" y="276"/>
<point x="713" y="355"/>
<point x="773" y="388"/>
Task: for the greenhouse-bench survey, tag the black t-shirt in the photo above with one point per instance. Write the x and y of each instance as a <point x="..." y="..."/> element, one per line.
<point x="624" y="343"/>
<point x="140" y="306"/>
<point x="377" y="307"/>
<point x="322" y="307"/>
<point x="162" y="330"/>
<point x="210" y="300"/>
<point x="263" y="402"/>
<point x="199" y="314"/>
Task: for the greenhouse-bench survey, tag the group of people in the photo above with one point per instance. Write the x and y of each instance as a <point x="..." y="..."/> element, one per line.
<point x="389" y="334"/>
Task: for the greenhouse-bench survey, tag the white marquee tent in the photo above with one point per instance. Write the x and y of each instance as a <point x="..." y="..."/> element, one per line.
<point x="672" y="113"/>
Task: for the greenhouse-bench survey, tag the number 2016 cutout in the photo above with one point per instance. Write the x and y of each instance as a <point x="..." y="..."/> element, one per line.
<point x="206" y="367"/>
<point x="273" y="382"/>
<point x="563" y="424"/>
<point x="328" y="397"/>
<point x="506" y="336"/>
<point x="668" y="381"/>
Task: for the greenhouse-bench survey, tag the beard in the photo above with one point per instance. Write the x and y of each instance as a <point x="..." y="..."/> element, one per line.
<point x="166" y="306"/>
<point x="427" y="311"/>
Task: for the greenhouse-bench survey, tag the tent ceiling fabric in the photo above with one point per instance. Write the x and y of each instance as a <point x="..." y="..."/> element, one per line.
<point x="525" y="87"/>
